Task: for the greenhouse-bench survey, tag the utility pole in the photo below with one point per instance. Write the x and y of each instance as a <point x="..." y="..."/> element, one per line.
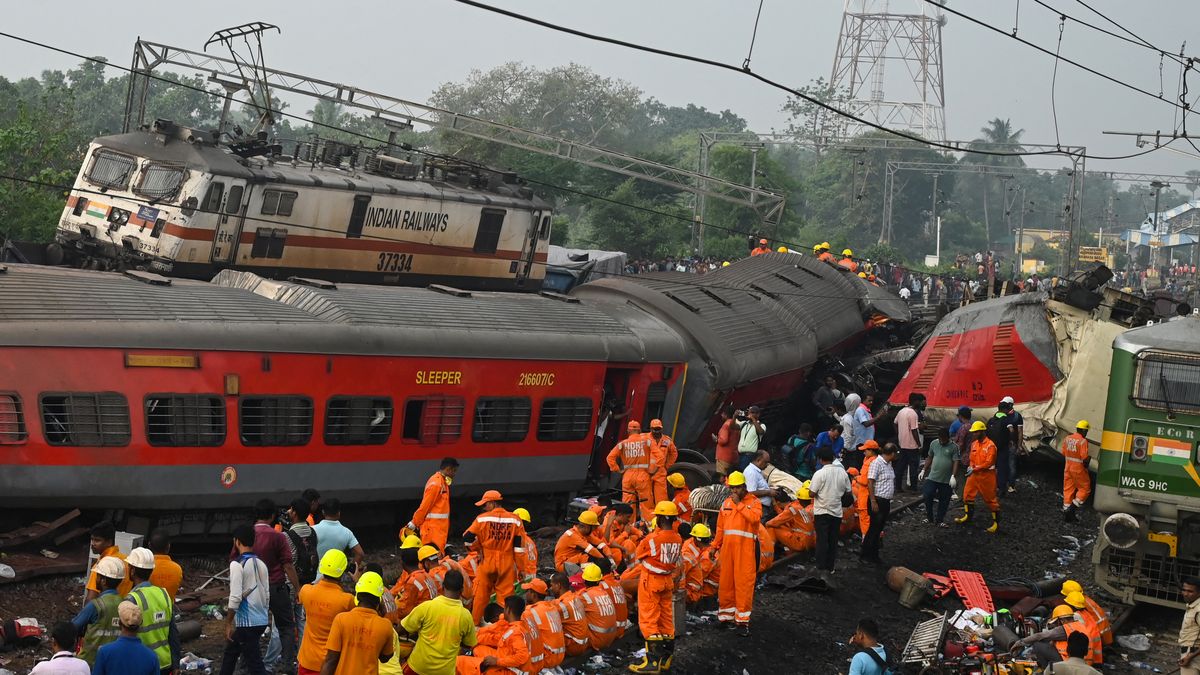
<point x="933" y="209"/>
<point x="1155" y="220"/>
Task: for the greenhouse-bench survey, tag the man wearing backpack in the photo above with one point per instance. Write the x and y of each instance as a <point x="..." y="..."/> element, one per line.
<point x="302" y="540"/>
<point x="872" y="659"/>
<point x="1000" y="431"/>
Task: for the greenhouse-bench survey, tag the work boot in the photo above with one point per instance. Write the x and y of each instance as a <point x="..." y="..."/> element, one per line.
<point x="743" y="630"/>
<point x="995" y="523"/>
<point x="668" y="650"/>
<point x="1069" y="514"/>
<point x="651" y="663"/>
<point x="966" y="516"/>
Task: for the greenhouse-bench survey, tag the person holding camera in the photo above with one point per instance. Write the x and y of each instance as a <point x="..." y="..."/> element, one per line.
<point x="752" y="430"/>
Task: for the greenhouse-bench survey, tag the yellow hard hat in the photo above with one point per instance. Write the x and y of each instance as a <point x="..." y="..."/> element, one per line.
<point x="701" y="531"/>
<point x="782" y="249"/>
<point x="862" y="275"/>
<point x="411" y="541"/>
<point x="427" y="552"/>
<point x="333" y="563"/>
<point x="589" y="518"/>
<point x="1076" y="600"/>
<point x="1083" y="424"/>
<point x="816" y="247"/>
<point x="665" y="508"/>
<point x="737" y="478"/>
<point x="523" y="514"/>
<point x="591" y="572"/>
<point x="804" y="493"/>
<point x="824" y="245"/>
<point x="1061" y="612"/>
<point x="677" y="480"/>
<point x="371" y="583"/>
<point x="978" y="426"/>
<point x="847" y="251"/>
<point x="1070" y="586"/>
<point x="725" y="264"/>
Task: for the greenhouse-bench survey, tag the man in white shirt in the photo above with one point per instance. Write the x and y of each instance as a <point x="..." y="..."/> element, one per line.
<point x="757" y="484"/>
<point x="828" y="485"/>
<point x="64" y="661"/>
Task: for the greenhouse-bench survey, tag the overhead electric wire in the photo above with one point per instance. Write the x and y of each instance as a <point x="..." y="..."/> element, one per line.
<point x="1132" y="34"/>
<point x="1138" y="42"/>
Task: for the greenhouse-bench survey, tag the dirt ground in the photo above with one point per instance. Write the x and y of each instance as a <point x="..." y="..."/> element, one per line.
<point x="792" y="631"/>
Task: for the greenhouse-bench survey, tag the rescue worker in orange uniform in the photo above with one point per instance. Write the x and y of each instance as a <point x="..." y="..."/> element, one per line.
<point x="681" y="495"/>
<point x="446" y="564"/>
<point x="526" y="553"/>
<point x="612" y="584"/>
<point x="847" y="261"/>
<point x="766" y="547"/>
<point x="620" y="533"/>
<point x="1078" y="604"/>
<point x="665" y="454"/>
<point x="794" y="527"/>
<point x="497" y="532"/>
<point x="870" y="449"/>
<point x="1090" y="606"/>
<point x="543" y="613"/>
<point x="824" y="255"/>
<point x="420" y="585"/>
<point x="510" y="651"/>
<point x="432" y="517"/>
<point x="704" y="578"/>
<point x="1063" y="622"/>
<point x="637" y="467"/>
<point x="660" y="554"/>
<point x="981" y="476"/>
<point x="574" y="619"/>
<point x="737" y="540"/>
<point x="763" y="247"/>
<point x="579" y="544"/>
<point x="598" y="609"/>
<point x="1077" y="482"/>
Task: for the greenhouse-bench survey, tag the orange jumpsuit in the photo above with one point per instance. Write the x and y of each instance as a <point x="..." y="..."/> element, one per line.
<point x="574" y="623"/>
<point x="1097" y="613"/>
<point x="683" y="502"/>
<point x="504" y="640"/>
<point x="665" y="454"/>
<point x="1095" y="635"/>
<point x="439" y="574"/>
<point x="418" y="587"/>
<point x="432" y="517"/>
<point x="612" y="584"/>
<point x="761" y="250"/>
<point x="637" y="466"/>
<point x="622" y="539"/>
<point x="737" y="539"/>
<point x="497" y="532"/>
<point x="573" y="547"/>
<point x="826" y="256"/>
<point x="527" y="557"/>
<point x="1077" y="483"/>
<point x="601" y="615"/>
<point x="1095" y="653"/>
<point x="704" y="580"/>
<point x="862" y="495"/>
<point x="849" y="264"/>
<point x="766" y="548"/>
<point x="537" y="649"/>
<point x="982" y="481"/>
<point x="849" y="520"/>
<point x="794" y="527"/>
<point x="470" y="566"/>
<point x="548" y="619"/>
<point x="660" y="554"/>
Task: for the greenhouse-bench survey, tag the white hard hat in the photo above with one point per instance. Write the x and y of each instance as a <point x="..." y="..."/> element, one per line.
<point x="111" y="567"/>
<point x="141" y="558"/>
<point x="1007" y="399"/>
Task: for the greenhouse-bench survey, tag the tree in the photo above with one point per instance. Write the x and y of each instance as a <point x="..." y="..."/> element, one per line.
<point x="998" y="136"/>
<point x="622" y="224"/>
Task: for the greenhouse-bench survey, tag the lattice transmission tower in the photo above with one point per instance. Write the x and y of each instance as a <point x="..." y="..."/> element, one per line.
<point x="875" y="41"/>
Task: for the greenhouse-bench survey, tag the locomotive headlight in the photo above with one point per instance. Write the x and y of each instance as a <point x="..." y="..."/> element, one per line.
<point x="1121" y="530"/>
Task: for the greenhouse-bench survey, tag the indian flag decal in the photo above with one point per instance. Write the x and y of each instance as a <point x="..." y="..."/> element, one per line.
<point x="97" y="210"/>
<point x="1170" y="451"/>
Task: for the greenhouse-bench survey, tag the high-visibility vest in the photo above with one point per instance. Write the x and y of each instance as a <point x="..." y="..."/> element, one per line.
<point x="156" y="621"/>
<point x="1095" y="648"/>
<point x="105" y="629"/>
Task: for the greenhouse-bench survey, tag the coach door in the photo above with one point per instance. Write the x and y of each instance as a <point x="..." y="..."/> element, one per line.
<point x="229" y="220"/>
<point x="529" y="248"/>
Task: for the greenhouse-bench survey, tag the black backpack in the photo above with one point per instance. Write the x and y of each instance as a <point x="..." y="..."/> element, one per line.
<point x="306" y="555"/>
<point x="998" y="432"/>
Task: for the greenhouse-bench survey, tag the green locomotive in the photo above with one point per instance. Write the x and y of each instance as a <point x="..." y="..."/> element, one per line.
<point x="1147" y="484"/>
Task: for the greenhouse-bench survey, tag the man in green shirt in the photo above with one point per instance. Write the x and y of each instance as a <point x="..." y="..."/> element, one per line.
<point x="941" y="465"/>
<point x="443" y="627"/>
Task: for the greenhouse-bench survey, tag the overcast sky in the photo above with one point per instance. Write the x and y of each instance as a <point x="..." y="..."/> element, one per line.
<point x="408" y="47"/>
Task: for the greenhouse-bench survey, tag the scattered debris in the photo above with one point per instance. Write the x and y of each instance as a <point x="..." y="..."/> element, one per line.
<point x="36" y="531"/>
<point x="1134" y="643"/>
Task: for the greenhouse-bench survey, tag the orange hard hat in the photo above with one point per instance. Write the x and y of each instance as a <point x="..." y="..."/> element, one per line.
<point x="489" y="496"/>
<point x="656" y="424"/>
<point x="763" y="242"/>
<point x="870" y="443"/>
<point x="634" y="424"/>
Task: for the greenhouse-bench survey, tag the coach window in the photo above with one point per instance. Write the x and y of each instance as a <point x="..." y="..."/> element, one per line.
<point x="85" y="419"/>
<point x="185" y="420"/>
<point x="277" y="203"/>
<point x="433" y="420"/>
<point x="275" y="420"/>
<point x="268" y="243"/>
<point x="358" y="420"/>
<point x="487" y="239"/>
<point x="564" y="419"/>
<point x="12" y="420"/>
<point x="212" y="199"/>
<point x="234" y="203"/>
<point x="501" y="420"/>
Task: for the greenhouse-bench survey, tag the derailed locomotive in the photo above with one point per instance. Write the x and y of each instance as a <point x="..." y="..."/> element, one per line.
<point x="145" y="392"/>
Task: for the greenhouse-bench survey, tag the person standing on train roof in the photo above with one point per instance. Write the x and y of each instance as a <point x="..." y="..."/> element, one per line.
<point x="497" y="532"/>
<point x="332" y="534"/>
<point x="432" y="517"/>
<point x="633" y="460"/>
<point x="763" y="247"/>
<point x="1077" y="482"/>
<point x="847" y="260"/>
<point x="981" y="476"/>
<point x="665" y="454"/>
<point x="103" y="543"/>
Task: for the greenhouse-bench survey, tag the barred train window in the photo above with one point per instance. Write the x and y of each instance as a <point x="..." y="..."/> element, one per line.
<point x="501" y="420"/>
<point x="358" y="420"/>
<point x="111" y="169"/>
<point x="12" y="420"/>
<point x="185" y="420"/>
<point x="275" y="420"/>
<point x="564" y="419"/>
<point x="160" y="181"/>
<point x="79" y="419"/>
<point x="1169" y="382"/>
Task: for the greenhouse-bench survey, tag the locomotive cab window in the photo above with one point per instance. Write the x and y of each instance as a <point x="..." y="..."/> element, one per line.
<point x="544" y="230"/>
<point x="358" y="420"/>
<point x="433" y="420"/>
<point x="234" y="203"/>
<point x="487" y="239"/>
<point x="212" y="198"/>
<point x="160" y="181"/>
<point x="1168" y="382"/>
<point x="185" y="420"/>
<point x="12" y="420"/>
<point x="275" y="420"/>
<point x="501" y="420"/>
<point x="277" y="203"/>
<point x="564" y="419"/>
<point x="110" y="169"/>
<point x="79" y="419"/>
